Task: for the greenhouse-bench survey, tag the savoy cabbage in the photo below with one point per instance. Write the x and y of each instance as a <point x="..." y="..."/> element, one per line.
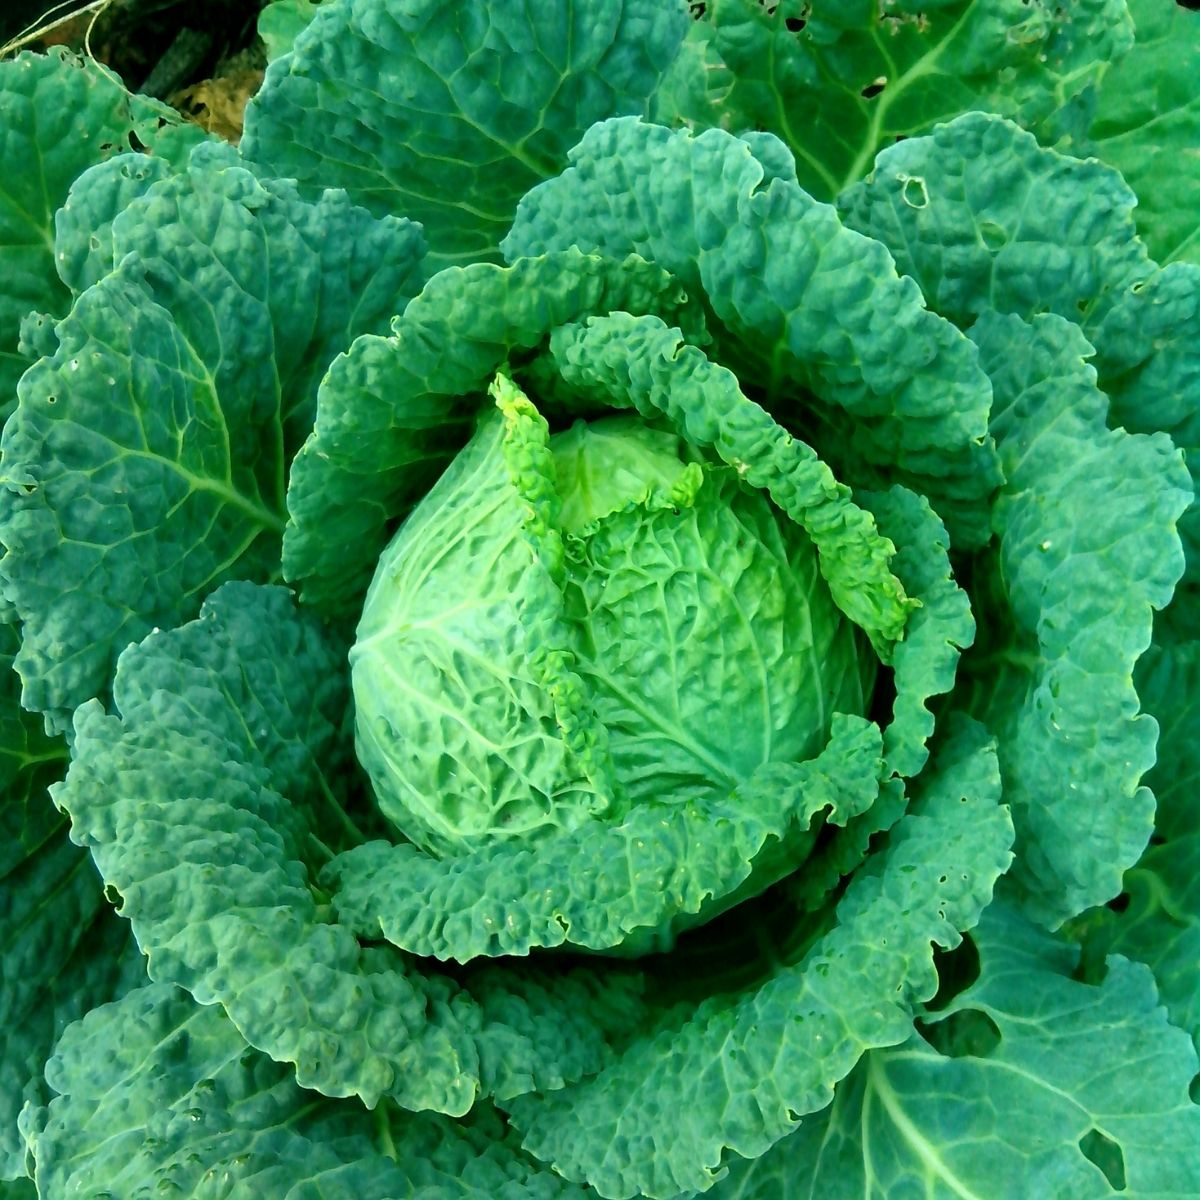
<point x="606" y="606"/>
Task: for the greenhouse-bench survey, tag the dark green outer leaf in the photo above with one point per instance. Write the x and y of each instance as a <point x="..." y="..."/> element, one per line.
<point x="985" y="219"/>
<point x="160" y="1096"/>
<point x="838" y="80"/>
<point x="1058" y="1063"/>
<point x="121" y="473"/>
<point x="84" y="251"/>
<point x="988" y="222"/>
<point x="733" y="1074"/>
<point x="1147" y="125"/>
<point x="200" y="804"/>
<point x="147" y="457"/>
<point x="62" y="949"/>
<point x="60" y="114"/>
<point x="1088" y="549"/>
<point x="448" y="111"/>
<point x="210" y="870"/>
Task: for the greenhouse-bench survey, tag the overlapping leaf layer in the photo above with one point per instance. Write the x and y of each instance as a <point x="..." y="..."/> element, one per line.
<point x="764" y="490"/>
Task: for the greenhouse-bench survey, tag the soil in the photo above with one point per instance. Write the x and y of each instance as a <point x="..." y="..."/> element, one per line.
<point x="203" y="57"/>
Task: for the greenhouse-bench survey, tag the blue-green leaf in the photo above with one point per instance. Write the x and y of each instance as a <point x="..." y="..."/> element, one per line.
<point x="60" y="114"/>
<point x="146" y="460"/>
<point x="447" y="111"/>
<point x="1088" y="549"/>
<point x="204" y="801"/>
<point x="1028" y="1079"/>
<point x="734" y="1073"/>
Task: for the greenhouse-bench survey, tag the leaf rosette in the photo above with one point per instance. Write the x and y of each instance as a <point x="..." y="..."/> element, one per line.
<point x="613" y="793"/>
<point x="575" y="533"/>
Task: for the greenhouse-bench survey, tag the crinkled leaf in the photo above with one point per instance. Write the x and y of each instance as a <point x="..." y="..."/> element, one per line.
<point x="203" y="842"/>
<point x="62" y="949"/>
<point x="120" y="472"/>
<point x="1158" y="921"/>
<point x="806" y="302"/>
<point x="839" y="81"/>
<point x="1147" y="124"/>
<point x="619" y="360"/>
<point x="448" y="111"/>
<point x="60" y="114"/>
<point x="393" y="411"/>
<point x="623" y="361"/>
<point x="484" y="721"/>
<point x="84" y="250"/>
<point x="924" y="664"/>
<point x="733" y="1074"/>
<point x="198" y="801"/>
<point x="158" y="1095"/>
<point x="1028" y="1077"/>
<point x="1088" y="548"/>
<point x="1148" y="357"/>
<point x="281" y="22"/>
<point x="986" y="220"/>
<point x="983" y="218"/>
<point x="146" y="460"/>
<point x="470" y="719"/>
<point x="267" y="287"/>
<point x="64" y="952"/>
<point x="662" y="861"/>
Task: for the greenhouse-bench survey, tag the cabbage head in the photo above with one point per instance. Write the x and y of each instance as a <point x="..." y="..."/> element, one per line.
<point x="568" y="626"/>
<point x="730" y="583"/>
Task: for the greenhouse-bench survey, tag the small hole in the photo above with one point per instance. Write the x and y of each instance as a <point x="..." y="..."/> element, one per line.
<point x="1119" y="904"/>
<point x="1104" y="1153"/>
<point x="914" y="193"/>
<point x="994" y="236"/>
<point x="966" y="1033"/>
<point x="795" y="24"/>
<point x="136" y="143"/>
<point x="874" y="88"/>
